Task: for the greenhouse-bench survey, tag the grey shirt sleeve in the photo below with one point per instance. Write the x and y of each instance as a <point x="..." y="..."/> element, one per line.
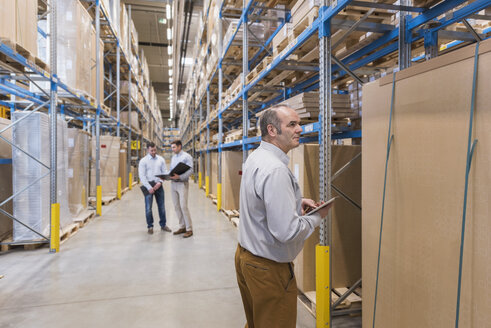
<point x="189" y="161"/>
<point x="142" y="173"/>
<point x="283" y="221"/>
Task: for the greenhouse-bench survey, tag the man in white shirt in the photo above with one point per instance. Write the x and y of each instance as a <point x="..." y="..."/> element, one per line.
<point x="150" y="166"/>
<point x="180" y="189"/>
<point x="273" y="226"/>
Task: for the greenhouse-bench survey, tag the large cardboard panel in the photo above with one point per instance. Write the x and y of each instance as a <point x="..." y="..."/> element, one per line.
<point x="231" y="177"/>
<point x="7" y="19"/>
<point x="419" y="258"/>
<point x="26" y="24"/>
<point x="346" y="218"/>
<point x="5" y="180"/>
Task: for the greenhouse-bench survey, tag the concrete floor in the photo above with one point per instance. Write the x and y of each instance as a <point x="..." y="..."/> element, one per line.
<point x="113" y="274"/>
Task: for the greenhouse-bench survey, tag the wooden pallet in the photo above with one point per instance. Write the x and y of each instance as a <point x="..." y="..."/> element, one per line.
<point x="28" y="247"/>
<point x="83" y="218"/>
<point x="69" y="231"/>
<point x="353" y="301"/>
<point x="262" y="66"/>
<point x="106" y="200"/>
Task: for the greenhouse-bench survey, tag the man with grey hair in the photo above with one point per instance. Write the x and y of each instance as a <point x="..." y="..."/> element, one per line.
<point x="273" y="226"/>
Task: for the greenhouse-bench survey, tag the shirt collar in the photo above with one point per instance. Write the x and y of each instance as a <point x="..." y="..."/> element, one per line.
<point x="280" y="154"/>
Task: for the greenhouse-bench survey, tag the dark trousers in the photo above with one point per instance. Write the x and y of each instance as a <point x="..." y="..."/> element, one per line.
<point x="159" y="197"/>
<point x="268" y="290"/>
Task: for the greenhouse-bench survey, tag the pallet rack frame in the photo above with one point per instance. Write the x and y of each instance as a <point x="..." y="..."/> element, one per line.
<point x="77" y="106"/>
<point x="382" y="46"/>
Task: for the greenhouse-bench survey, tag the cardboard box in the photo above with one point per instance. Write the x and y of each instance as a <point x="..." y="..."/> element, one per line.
<point x="231" y="177"/>
<point x="346" y="219"/>
<point x="419" y="261"/>
<point x="7" y="19"/>
<point x="26" y="24"/>
<point x="123" y="159"/>
<point x="78" y="143"/>
<point x="135" y="123"/>
<point x="5" y="181"/>
<point x="109" y="165"/>
<point x="93" y="70"/>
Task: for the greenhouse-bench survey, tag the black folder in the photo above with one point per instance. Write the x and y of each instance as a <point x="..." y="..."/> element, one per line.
<point x="179" y="169"/>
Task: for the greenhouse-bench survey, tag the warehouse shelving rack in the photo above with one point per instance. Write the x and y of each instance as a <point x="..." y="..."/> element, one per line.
<point x="88" y="114"/>
<point x="423" y="27"/>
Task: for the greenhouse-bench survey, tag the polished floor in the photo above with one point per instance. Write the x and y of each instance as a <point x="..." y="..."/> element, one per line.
<point x="113" y="274"/>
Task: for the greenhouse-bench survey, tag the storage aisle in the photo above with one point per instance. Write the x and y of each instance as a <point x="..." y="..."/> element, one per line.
<point x="113" y="274"/>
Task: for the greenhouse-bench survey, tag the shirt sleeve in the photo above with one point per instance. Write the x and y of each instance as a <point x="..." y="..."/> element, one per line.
<point x="142" y="173"/>
<point x="163" y="170"/>
<point x="283" y="221"/>
<point x="189" y="161"/>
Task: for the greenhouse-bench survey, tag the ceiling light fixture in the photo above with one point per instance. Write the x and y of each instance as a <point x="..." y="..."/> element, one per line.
<point x="170" y="72"/>
<point x="169" y="34"/>
<point x="169" y="62"/>
<point x="169" y="50"/>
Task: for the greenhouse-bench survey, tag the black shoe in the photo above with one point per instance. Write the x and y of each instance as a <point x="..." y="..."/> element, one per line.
<point x="150" y="231"/>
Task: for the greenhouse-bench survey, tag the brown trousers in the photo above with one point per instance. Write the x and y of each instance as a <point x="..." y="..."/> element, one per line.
<point x="268" y="290"/>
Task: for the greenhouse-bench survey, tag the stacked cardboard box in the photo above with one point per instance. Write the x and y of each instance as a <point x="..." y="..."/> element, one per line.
<point x="78" y="145"/>
<point x="419" y="259"/>
<point x="134" y="122"/>
<point x="123" y="167"/>
<point x="109" y="166"/>
<point x="231" y="177"/>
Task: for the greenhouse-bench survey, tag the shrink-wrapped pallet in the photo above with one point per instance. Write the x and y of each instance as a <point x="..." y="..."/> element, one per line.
<point x="78" y="144"/>
<point x="5" y="180"/>
<point x="32" y="204"/>
<point x="109" y="165"/>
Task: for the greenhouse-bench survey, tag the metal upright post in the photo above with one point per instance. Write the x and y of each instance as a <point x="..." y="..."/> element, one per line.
<point x="200" y="178"/>
<point x="404" y="46"/>
<point x="323" y="253"/>
<point x="194" y="147"/>
<point x="245" y="71"/>
<point x="431" y="44"/>
<point x="128" y="159"/>
<point x="98" y="112"/>
<point x="208" y="163"/>
<point x="220" y="119"/>
<point x="118" y="77"/>
<point x="55" y="207"/>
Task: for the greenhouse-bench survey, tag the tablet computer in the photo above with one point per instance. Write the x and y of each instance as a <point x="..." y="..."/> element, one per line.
<point x="321" y="206"/>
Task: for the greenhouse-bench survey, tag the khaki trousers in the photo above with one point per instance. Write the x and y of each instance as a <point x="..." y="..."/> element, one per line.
<point x="268" y="290"/>
<point x="179" y="192"/>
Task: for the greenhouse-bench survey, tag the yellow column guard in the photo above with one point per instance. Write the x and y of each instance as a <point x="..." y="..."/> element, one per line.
<point x="200" y="180"/>
<point x="207" y="186"/>
<point x="98" y="208"/>
<point x="54" y="242"/>
<point x="130" y="184"/>
<point x="219" y="196"/>
<point x="119" y="188"/>
<point x="323" y="290"/>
